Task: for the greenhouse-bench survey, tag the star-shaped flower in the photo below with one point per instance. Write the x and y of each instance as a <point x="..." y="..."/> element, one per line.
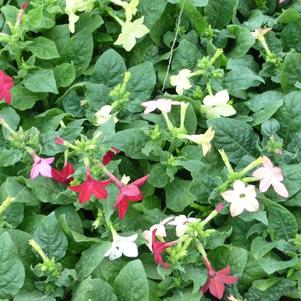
<point x="130" y="31"/>
<point x="6" y="84"/>
<point x="217" y="280"/>
<point x="162" y="104"/>
<point x="270" y="176"/>
<point x="180" y="222"/>
<point x="217" y="105"/>
<point x="41" y="166"/>
<point x="64" y="175"/>
<point x="91" y="187"/>
<point x="242" y="198"/>
<point x="181" y="81"/>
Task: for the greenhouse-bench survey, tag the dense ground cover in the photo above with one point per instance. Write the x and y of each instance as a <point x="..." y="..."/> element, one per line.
<point x="150" y="150"/>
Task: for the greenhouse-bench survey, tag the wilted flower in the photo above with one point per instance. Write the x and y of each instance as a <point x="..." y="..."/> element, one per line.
<point x="109" y="155"/>
<point x="104" y="115"/>
<point x="217" y="280"/>
<point x="181" y="81"/>
<point x="91" y="186"/>
<point x="181" y="222"/>
<point x="123" y="245"/>
<point x="260" y="33"/>
<point x="270" y="176"/>
<point x="130" y="31"/>
<point x="217" y="105"/>
<point x="41" y="166"/>
<point x="162" y="104"/>
<point x="6" y="84"/>
<point x="241" y="197"/>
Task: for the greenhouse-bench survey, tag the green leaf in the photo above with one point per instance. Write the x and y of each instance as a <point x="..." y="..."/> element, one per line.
<point x="291" y="36"/>
<point x="41" y="81"/>
<point x="260" y="247"/>
<point x="109" y="69"/>
<point x="289" y="115"/>
<point x="12" y="272"/>
<point x="97" y="95"/>
<point x="51" y="238"/>
<point x="178" y="195"/>
<point x="43" y="48"/>
<point x="291" y="71"/>
<point x="33" y="296"/>
<point x="152" y="11"/>
<point x="94" y="289"/>
<point x="23" y="99"/>
<point x="90" y="259"/>
<point x="185" y="56"/>
<point x="271" y="264"/>
<point x="64" y="74"/>
<point x="282" y="223"/>
<point x="131" y="283"/>
<point x="220" y="12"/>
<point x="243" y="42"/>
<point x="9" y="157"/>
<point x="236" y="137"/>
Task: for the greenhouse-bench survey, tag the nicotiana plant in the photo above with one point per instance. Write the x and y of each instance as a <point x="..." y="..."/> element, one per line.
<point x="150" y="150"/>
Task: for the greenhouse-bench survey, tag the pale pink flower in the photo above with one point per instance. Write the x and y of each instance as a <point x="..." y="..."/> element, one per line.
<point x="41" y="166"/>
<point x="162" y="104"/>
<point x="181" y="223"/>
<point x="242" y="198"/>
<point x="147" y="234"/>
<point x="270" y="176"/>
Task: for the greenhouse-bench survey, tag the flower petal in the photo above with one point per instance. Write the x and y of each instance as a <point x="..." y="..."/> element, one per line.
<point x="281" y="189"/>
<point x="237" y="208"/>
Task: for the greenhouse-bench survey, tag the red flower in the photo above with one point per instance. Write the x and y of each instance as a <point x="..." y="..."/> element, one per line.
<point x="6" y="83"/>
<point x="127" y="193"/>
<point x="107" y="158"/>
<point x="89" y="187"/>
<point x="25" y="5"/>
<point x="63" y="176"/>
<point x="159" y="247"/>
<point x="217" y="280"/>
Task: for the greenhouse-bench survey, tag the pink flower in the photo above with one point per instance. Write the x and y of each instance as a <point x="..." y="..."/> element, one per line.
<point x="6" y="83"/>
<point x="127" y="192"/>
<point x="164" y="105"/>
<point x="59" y="140"/>
<point x="216" y="280"/>
<point x="64" y="175"/>
<point x="41" y="166"/>
<point x="159" y="247"/>
<point x="270" y="176"/>
<point x="89" y="187"/>
<point x="25" y="5"/>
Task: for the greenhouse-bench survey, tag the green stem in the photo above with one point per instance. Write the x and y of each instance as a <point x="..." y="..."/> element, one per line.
<point x="5" y="204"/>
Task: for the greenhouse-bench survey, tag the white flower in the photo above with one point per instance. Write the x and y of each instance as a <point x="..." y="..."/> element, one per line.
<point x="181" y="81"/>
<point x="217" y="105"/>
<point x="130" y="31"/>
<point x="241" y="197"/>
<point x="76" y="5"/>
<point x="123" y="245"/>
<point x="260" y="32"/>
<point x="147" y="234"/>
<point x="103" y="115"/>
<point x="130" y="8"/>
<point x="181" y="222"/>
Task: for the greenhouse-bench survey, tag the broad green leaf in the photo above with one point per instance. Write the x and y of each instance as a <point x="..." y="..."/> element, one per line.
<point x="33" y="296"/>
<point x="109" y="69"/>
<point x="97" y="95"/>
<point x="260" y="247"/>
<point x="236" y="137"/>
<point x="271" y="264"/>
<point x="131" y="283"/>
<point x="64" y="74"/>
<point x="178" y="195"/>
<point x="291" y="36"/>
<point x="152" y="11"/>
<point x="43" y="48"/>
<point x="12" y="272"/>
<point x="185" y="295"/>
<point x="41" y="81"/>
<point x="282" y="223"/>
<point x="220" y="12"/>
<point x="94" y="289"/>
<point x="9" y="157"/>
<point x="291" y="71"/>
<point x="90" y="259"/>
<point x="51" y="238"/>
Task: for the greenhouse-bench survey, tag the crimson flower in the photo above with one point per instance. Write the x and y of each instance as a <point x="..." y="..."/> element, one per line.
<point x="6" y="83"/>
<point x="130" y="192"/>
<point x="159" y="247"/>
<point x="216" y="280"/>
<point x="107" y="158"/>
<point x="25" y="5"/>
<point x="89" y="187"/>
<point x="64" y="175"/>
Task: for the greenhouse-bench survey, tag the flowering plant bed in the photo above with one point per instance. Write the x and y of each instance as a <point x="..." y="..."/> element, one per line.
<point x="150" y="150"/>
